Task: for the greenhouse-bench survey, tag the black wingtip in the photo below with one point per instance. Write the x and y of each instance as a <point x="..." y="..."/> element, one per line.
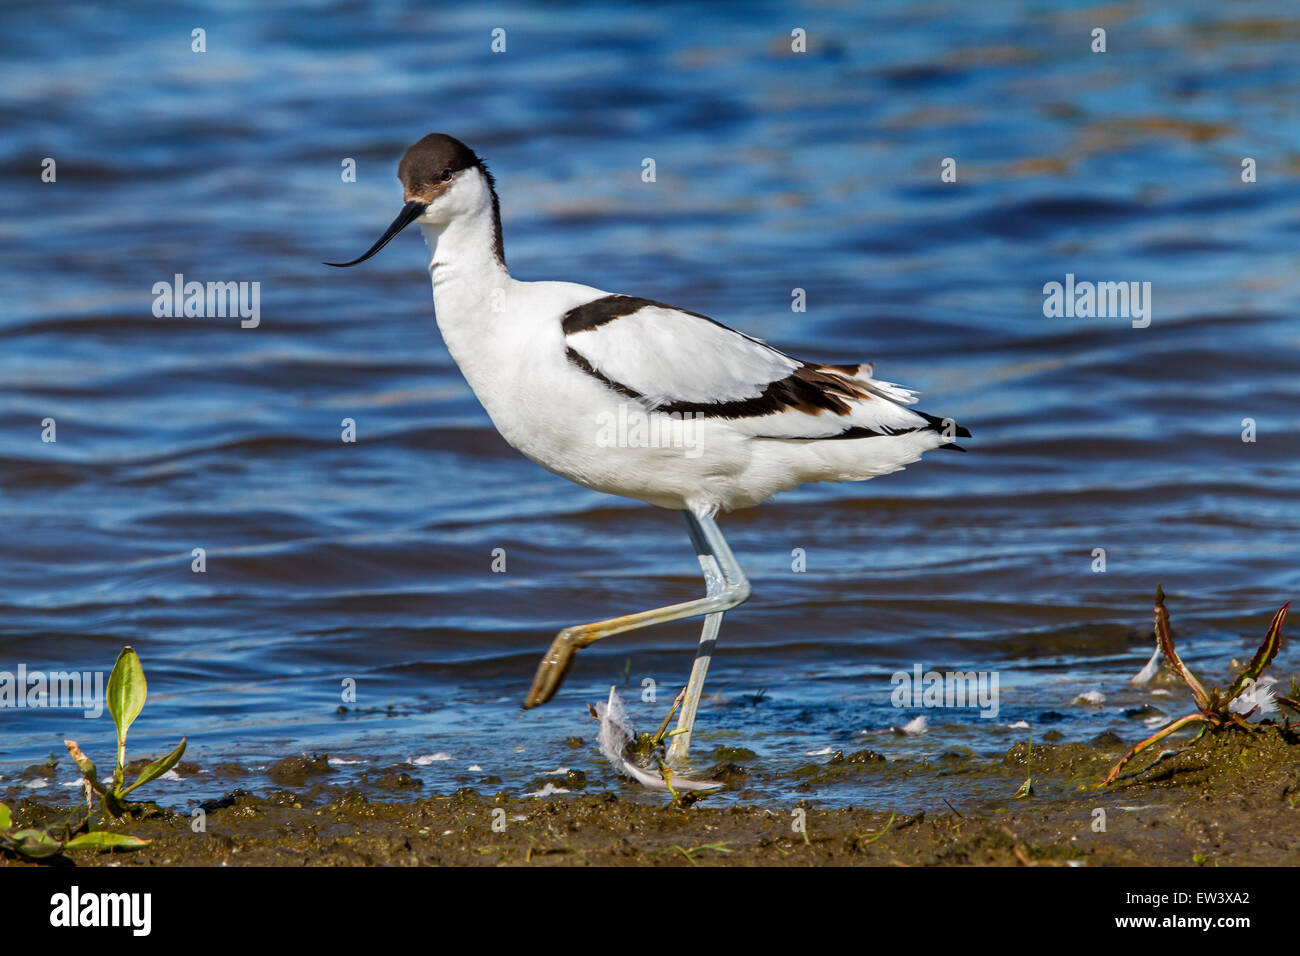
<point x="944" y="425"/>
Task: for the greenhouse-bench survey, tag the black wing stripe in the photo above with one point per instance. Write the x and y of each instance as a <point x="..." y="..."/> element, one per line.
<point x="808" y="389"/>
<point x="861" y="431"/>
<point x="598" y="312"/>
<point x="582" y="364"/>
<point x="811" y="388"/>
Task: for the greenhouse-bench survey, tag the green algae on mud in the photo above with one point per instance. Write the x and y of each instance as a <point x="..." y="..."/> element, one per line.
<point x="1231" y="799"/>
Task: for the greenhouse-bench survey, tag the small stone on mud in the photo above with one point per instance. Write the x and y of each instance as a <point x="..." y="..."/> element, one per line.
<point x="725" y="754"/>
<point x="283" y="798"/>
<point x="956" y="753"/>
<point x="235" y="798"/>
<point x="294" y="771"/>
<point x="726" y="772"/>
<point x="1144" y="712"/>
<point x="858" y="756"/>
<point x="395" y="780"/>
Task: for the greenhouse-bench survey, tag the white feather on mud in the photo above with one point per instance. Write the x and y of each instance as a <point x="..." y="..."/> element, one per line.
<point x="547" y="790"/>
<point x="1256" y="700"/>
<point x="616" y="733"/>
<point x="914" y="727"/>
<point x="1143" y="677"/>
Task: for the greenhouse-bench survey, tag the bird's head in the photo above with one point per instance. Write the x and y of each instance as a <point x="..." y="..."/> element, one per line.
<point x="442" y="180"/>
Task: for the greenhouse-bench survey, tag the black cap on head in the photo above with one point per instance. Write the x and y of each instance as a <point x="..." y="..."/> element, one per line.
<point x="431" y="162"/>
<point x="426" y="170"/>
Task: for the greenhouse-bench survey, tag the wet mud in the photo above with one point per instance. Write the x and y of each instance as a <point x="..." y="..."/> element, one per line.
<point x="1231" y="799"/>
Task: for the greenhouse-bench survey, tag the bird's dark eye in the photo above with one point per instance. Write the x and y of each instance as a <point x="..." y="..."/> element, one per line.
<point x="446" y="174"/>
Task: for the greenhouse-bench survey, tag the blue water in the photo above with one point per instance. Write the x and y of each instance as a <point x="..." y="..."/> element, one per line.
<point x="774" y="171"/>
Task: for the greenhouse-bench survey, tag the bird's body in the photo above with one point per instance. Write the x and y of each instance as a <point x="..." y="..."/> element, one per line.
<point x="637" y="398"/>
<point x="584" y="404"/>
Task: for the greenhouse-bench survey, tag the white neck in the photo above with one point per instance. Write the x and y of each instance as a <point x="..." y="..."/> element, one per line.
<point x="466" y="274"/>
<point x="464" y="260"/>
<point x="464" y="251"/>
<point x="464" y="268"/>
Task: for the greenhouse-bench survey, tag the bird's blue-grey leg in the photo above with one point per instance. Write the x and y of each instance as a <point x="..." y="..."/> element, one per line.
<point x="722" y="574"/>
<point x="714" y="554"/>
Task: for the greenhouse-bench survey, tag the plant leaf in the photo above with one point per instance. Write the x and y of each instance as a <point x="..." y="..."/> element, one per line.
<point x="103" y="840"/>
<point x="5" y="820"/>
<point x="1171" y="655"/>
<point x="158" y="767"/>
<point x="1264" y="656"/>
<point x="1160" y="734"/>
<point x="84" y="764"/>
<point x="35" y="843"/>
<point x="126" y="690"/>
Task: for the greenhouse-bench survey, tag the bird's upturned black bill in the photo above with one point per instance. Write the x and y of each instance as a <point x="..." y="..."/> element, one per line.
<point x="410" y="212"/>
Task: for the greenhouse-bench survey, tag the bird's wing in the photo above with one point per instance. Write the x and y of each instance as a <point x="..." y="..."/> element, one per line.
<point x="673" y="361"/>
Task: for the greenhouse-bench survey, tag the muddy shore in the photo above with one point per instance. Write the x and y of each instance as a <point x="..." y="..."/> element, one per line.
<point x="1230" y="799"/>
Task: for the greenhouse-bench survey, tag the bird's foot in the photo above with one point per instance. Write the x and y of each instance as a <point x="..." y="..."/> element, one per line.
<point x="553" y="668"/>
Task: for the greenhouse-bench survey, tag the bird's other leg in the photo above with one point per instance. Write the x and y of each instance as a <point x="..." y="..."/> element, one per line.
<point x="722" y="575"/>
<point x="555" y="664"/>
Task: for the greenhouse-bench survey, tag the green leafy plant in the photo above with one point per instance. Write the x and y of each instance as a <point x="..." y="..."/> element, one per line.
<point x="127" y="691"/>
<point x="1213" y="708"/>
<point x="37" y="844"/>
